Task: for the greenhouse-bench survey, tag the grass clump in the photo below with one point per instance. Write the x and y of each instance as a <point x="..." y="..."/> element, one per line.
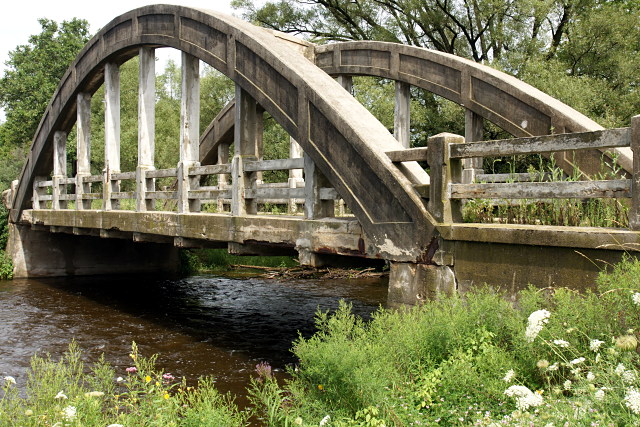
<point x="557" y="356"/>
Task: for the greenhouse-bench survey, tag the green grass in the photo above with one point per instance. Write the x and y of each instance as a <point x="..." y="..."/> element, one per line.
<point x="216" y="260"/>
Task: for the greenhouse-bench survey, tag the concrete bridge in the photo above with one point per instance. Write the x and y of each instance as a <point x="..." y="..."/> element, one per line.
<point x="122" y="221"/>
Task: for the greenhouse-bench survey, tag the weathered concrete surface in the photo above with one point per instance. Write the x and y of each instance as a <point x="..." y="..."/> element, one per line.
<point x="411" y="284"/>
<point x="46" y="254"/>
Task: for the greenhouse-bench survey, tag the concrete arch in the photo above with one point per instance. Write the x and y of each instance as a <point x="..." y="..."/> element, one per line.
<point x="344" y="140"/>
<point x="511" y="104"/>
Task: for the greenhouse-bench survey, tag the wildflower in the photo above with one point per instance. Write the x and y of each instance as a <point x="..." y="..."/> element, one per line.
<point x="28" y="412"/>
<point x="94" y="394"/>
<point x="590" y="376"/>
<point x="561" y="343"/>
<point x="626" y="342"/>
<point x="119" y="379"/>
<point x="69" y="413"/>
<point x="525" y="398"/>
<point x="325" y="420"/>
<point x="131" y="370"/>
<point x="10" y="380"/>
<point x="320" y="387"/>
<point x="599" y="395"/>
<point x="147" y="378"/>
<point x="166" y="395"/>
<point x="168" y="377"/>
<point x="636" y="298"/>
<point x="567" y="384"/>
<point x="298" y="421"/>
<point x="577" y="361"/>
<point x="632" y="400"/>
<point x="536" y="322"/>
<point x="60" y="395"/>
<point x="263" y="369"/>
<point x="542" y="364"/>
<point x="594" y="345"/>
<point x="620" y="369"/>
<point x="553" y="367"/>
<point x="509" y="376"/>
<point x="628" y="377"/>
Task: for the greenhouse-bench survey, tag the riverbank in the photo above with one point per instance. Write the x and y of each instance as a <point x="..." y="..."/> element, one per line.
<point x="555" y="357"/>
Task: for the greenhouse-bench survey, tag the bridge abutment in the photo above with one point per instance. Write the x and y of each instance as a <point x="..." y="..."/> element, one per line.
<point x="411" y="283"/>
<point x="44" y="253"/>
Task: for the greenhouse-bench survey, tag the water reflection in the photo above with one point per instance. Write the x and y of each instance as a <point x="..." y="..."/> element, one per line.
<point x="204" y="325"/>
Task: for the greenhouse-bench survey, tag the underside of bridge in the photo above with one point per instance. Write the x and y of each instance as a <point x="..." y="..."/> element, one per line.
<point x="340" y="156"/>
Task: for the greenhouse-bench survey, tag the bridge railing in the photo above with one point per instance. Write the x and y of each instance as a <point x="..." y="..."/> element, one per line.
<point x="446" y="191"/>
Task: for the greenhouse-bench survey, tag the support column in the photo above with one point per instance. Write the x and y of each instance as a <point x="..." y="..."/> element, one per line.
<point x="146" y="128"/>
<point x="473" y="132"/>
<point x="402" y="115"/>
<point x="111" y="135"/>
<point x="259" y="139"/>
<point x="189" y="133"/>
<point x="83" y="150"/>
<point x="634" y="212"/>
<point x="295" y="175"/>
<point x="245" y="150"/>
<point x="223" y="178"/>
<point x="444" y="171"/>
<point x="59" y="175"/>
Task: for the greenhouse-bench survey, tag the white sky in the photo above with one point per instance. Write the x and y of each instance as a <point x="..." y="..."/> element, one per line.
<point x="19" y="18"/>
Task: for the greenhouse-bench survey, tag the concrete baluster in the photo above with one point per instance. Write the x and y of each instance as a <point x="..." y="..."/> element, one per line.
<point x="245" y="150"/>
<point x="314" y="180"/>
<point x="295" y="175"/>
<point x="59" y="175"/>
<point x="223" y="178"/>
<point x="38" y="192"/>
<point x="473" y="132"/>
<point x="402" y="115"/>
<point x="111" y="135"/>
<point x="83" y="150"/>
<point x="259" y="139"/>
<point x="634" y="212"/>
<point x="146" y="128"/>
<point x="444" y="171"/>
<point x="189" y="133"/>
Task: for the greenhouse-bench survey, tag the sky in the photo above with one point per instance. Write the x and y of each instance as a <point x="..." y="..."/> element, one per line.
<point x="19" y="19"/>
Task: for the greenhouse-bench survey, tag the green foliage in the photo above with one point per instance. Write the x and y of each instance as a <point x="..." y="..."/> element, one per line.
<point x="66" y="392"/>
<point x="221" y="260"/>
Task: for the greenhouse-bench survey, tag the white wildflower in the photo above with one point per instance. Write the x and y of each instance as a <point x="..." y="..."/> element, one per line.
<point x="509" y="376"/>
<point x="636" y="298"/>
<point x="119" y="379"/>
<point x="599" y="395"/>
<point x="10" y="380"/>
<point x="594" y="345"/>
<point x="620" y="369"/>
<point x="60" y="395"/>
<point x="567" y="384"/>
<point x="590" y="376"/>
<point x="69" y="412"/>
<point x="561" y="343"/>
<point x="577" y="361"/>
<point x="628" y="377"/>
<point x="28" y="412"/>
<point x="325" y="420"/>
<point x="525" y="398"/>
<point x="632" y="400"/>
<point x="536" y="322"/>
<point x="553" y="367"/>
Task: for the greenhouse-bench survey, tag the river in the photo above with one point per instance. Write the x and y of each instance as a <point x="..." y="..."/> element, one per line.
<point x="199" y="326"/>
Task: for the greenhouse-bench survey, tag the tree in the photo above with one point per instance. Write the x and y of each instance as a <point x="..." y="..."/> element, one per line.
<point x="33" y="74"/>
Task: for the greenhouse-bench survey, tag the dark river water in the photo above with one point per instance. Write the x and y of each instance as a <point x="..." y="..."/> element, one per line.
<point x="199" y="326"/>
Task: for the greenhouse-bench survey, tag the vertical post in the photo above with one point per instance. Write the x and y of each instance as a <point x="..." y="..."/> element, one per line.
<point x="111" y="134"/>
<point x="402" y="115"/>
<point x="146" y="128"/>
<point x="83" y="150"/>
<point x="634" y="212"/>
<point x="245" y="150"/>
<point x="314" y="180"/>
<point x="346" y="82"/>
<point x="295" y="175"/>
<point x="444" y="171"/>
<point x="473" y="132"/>
<point x="223" y="178"/>
<point x="259" y="139"/>
<point x="38" y="192"/>
<point x="189" y="133"/>
<point x="59" y="175"/>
